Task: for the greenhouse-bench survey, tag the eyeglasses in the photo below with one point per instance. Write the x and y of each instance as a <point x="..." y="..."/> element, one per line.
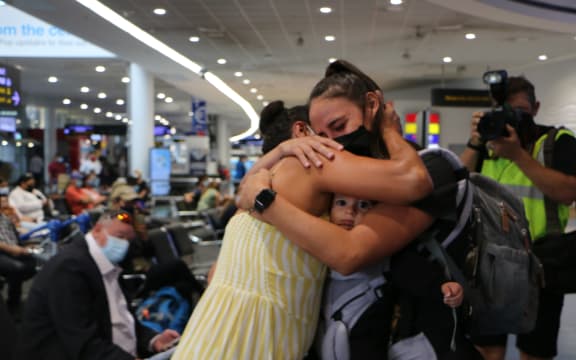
<point x="122" y="216"/>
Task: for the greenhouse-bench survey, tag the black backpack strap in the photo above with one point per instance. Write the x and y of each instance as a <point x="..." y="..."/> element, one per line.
<point x="552" y="220"/>
<point x="452" y="272"/>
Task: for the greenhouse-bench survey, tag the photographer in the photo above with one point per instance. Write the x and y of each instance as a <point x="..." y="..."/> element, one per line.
<point x="512" y="154"/>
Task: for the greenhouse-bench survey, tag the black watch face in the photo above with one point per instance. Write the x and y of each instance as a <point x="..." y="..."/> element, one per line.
<point x="264" y="199"/>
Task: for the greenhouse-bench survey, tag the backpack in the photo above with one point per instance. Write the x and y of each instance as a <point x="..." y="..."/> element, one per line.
<point x="165" y="309"/>
<point x="502" y="277"/>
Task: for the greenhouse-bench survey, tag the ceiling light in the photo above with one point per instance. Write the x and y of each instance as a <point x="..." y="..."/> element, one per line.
<point x="325" y="10"/>
<point x="447" y="59"/>
<point x="160" y="96"/>
<point x="542" y="57"/>
<point x="2" y="3"/>
<point x="4" y="142"/>
<point x="470" y="36"/>
<point x="66" y="101"/>
<point x="260" y="97"/>
<point x="120" y="102"/>
<point x="160" y="11"/>
<point x="265" y="103"/>
<point x="157" y="117"/>
<point x="194" y="39"/>
<point x="109" y="114"/>
<point x="125" y="79"/>
<point x="331" y="60"/>
<point x="329" y="37"/>
<point x="118" y="117"/>
<point x="169" y="100"/>
<point x="97" y="110"/>
<point x="153" y="43"/>
<point x="18" y="143"/>
<point x="30" y="145"/>
<point x="102" y="95"/>
<point x="52" y="79"/>
<point x="246" y="82"/>
<point x="396" y="2"/>
<point x="125" y="120"/>
<point x="83" y="106"/>
<point x="84" y="89"/>
<point x="253" y="90"/>
<point x="221" y="61"/>
<point x="100" y="68"/>
<point x="238" y="74"/>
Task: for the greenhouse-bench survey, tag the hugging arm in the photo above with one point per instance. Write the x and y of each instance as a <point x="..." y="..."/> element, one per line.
<point x="384" y="230"/>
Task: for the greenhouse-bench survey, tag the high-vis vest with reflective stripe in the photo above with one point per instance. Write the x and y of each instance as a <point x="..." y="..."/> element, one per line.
<point x="507" y="173"/>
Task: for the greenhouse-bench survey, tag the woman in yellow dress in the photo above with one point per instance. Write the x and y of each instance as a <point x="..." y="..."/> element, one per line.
<point x="263" y="301"/>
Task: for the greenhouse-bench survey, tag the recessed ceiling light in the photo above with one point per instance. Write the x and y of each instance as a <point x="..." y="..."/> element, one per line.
<point x="18" y="143"/>
<point x="265" y="103"/>
<point x="253" y="90"/>
<point x="4" y="142"/>
<point x="52" y="79"/>
<point x="331" y="60"/>
<point x="102" y="95"/>
<point x="118" y="117"/>
<point x="30" y="144"/>
<point x="125" y="79"/>
<point x="325" y="10"/>
<point x="100" y="68"/>
<point x="97" y="110"/>
<point x="83" y="106"/>
<point x="160" y="96"/>
<point x="120" y="102"/>
<point x="246" y="82"/>
<point x="125" y="120"/>
<point x="329" y="37"/>
<point x="194" y="39"/>
<point x="542" y="57"/>
<point x="66" y="101"/>
<point x="447" y="59"/>
<point x="221" y="61"/>
<point x="396" y="2"/>
<point x="260" y="97"/>
<point x="84" y="89"/>
<point x="109" y="114"/>
<point x="169" y="100"/>
<point x="160" y="11"/>
<point x="470" y="36"/>
<point x="238" y="74"/>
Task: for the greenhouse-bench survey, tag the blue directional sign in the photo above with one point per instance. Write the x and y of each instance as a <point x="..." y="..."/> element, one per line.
<point x="10" y="98"/>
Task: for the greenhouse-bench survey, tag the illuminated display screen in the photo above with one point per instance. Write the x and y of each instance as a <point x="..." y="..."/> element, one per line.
<point x="10" y="96"/>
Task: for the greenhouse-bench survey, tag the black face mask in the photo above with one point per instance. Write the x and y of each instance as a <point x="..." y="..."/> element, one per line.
<point x="29" y="188"/>
<point x="358" y="142"/>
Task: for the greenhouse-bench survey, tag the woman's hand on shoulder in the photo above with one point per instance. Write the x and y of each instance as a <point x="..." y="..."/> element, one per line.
<point x="310" y="149"/>
<point x="251" y="186"/>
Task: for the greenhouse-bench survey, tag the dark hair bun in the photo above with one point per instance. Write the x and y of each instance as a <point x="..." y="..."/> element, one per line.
<point x="344" y="67"/>
<point x="270" y="114"/>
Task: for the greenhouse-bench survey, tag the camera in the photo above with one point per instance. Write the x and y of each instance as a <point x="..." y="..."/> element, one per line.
<point x="493" y="124"/>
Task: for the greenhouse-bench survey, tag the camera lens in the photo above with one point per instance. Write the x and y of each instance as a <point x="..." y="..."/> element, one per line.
<point x="492" y="125"/>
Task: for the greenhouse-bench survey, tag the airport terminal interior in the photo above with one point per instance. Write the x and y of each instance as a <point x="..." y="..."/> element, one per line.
<point x="152" y="108"/>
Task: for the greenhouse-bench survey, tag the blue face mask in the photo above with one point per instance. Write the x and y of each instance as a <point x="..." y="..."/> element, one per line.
<point x="115" y="249"/>
<point x="4" y="190"/>
<point x="94" y="182"/>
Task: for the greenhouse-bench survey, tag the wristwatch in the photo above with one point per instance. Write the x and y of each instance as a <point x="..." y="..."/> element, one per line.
<point x="264" y="199"/>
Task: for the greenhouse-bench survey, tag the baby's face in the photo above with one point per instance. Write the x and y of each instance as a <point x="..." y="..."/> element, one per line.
<point x="348" y="211"/>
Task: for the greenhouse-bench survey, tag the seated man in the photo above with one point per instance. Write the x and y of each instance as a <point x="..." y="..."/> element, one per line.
<point x="16" y="263"/>
<point x="76" y="198"/>
<point x="76" y="309"/>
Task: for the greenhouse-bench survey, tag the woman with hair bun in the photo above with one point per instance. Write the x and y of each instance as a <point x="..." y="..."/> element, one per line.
<point x="263" y="300"/>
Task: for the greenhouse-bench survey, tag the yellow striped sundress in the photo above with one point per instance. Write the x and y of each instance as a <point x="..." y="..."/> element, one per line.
<point x="263" y="301"/>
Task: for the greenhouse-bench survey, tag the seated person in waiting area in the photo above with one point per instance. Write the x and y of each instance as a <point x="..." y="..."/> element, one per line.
<point x="76" y="309"/>
<point x="76" y="198"/>
<point x="29" y="202"/>
<point x="16" y="262"/>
